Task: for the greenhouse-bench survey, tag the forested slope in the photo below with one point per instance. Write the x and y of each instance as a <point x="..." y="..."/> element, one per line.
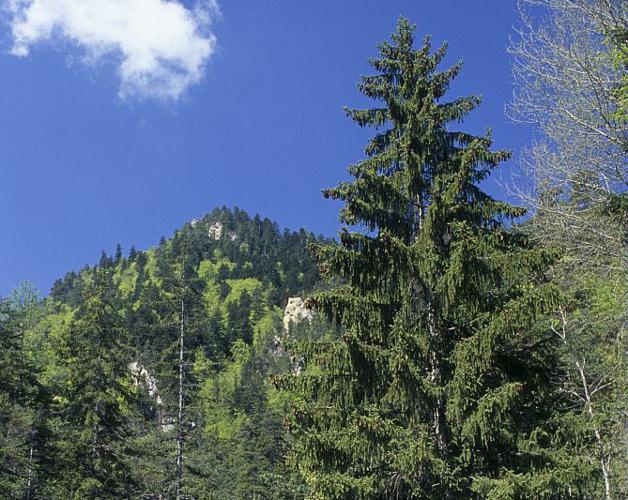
<point x="112" y="333"/>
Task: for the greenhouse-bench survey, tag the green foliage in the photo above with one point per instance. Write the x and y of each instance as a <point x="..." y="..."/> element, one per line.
<point x="26" y="453"/>
<point x="591" y="324"/>
<point x="115" y="430"/>
<point x="442" y="384"/>
<point x="95" y="397"/>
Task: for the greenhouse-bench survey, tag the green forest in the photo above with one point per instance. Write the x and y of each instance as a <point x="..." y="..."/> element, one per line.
<point x="448" y="344"/>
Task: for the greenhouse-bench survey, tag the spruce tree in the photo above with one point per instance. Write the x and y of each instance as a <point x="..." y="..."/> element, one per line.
<point x="441" y="386"/>
<point x="97" y="397"/>
<point x="26" y="459"/>
<point x="118" y="255"/>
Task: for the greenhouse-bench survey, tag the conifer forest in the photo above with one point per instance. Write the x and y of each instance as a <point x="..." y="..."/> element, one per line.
<point x="450" y="342"/>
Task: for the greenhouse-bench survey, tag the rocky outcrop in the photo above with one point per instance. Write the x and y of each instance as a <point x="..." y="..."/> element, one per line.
<point x="296" y="311"/>
<point x="215" y="230"/>
<point x="143" y="378"/>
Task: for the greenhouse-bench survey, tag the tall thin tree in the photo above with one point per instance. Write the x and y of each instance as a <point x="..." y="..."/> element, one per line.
<point x="181" y="401"/>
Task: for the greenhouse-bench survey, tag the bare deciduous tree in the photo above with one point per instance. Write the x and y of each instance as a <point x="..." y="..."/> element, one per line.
<point x="566" y="85"/>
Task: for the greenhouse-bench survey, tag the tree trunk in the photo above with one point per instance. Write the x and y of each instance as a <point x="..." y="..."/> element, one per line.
<point x="179" y="467"/>
<point x="439" y="421"/>
<point x="29" y="485"/>
<point x="604" y="459"/>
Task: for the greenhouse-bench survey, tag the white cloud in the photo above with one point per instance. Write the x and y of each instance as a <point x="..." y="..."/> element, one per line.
<point x="160" y="47"/>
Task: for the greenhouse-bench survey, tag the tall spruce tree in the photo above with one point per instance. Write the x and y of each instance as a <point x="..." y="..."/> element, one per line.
<point x="442" y="384"/>
<point x="96" y="398"/>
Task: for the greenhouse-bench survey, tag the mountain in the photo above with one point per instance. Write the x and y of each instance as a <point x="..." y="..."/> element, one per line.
<point x="229" y="277"/>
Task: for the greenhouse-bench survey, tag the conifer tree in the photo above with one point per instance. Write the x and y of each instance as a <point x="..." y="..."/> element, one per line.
<point x="97" y="397"/>
<point x="441" y="386"/>
<point x="118" y="255"/>
<point x="25" y="455"/>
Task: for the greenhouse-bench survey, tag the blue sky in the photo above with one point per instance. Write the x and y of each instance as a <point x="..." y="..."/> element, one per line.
<point x="246" y="112"/>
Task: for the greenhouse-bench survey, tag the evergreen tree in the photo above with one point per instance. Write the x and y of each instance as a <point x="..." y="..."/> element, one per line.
<point x="238" y="319"/>
<point x="441" y="386"/>
<point x="97" y="397"/>
<point x="105" y="260"/>
<point x="26" y="457"/>
<point x="118" y="255"/>
<point x="132" y="253"/>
